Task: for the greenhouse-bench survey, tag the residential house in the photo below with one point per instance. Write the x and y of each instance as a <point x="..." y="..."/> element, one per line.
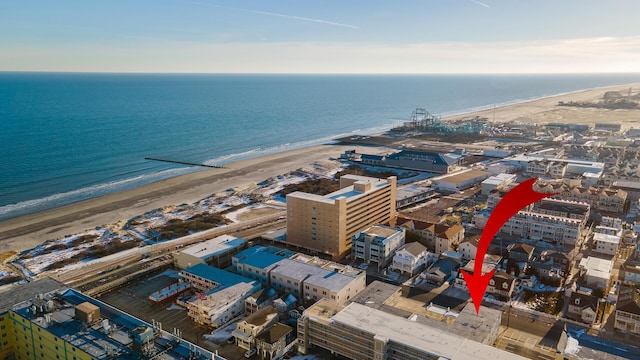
<point x="630" y="272"/>
<point x="501" y="285"/>
<point x="596" y="272"/>
<point x="469" y="247"/>
<point x="606" y="244"/>
<point x="557" y="170"/>
<point x="551" y="266"/>
<point x="537" y="168"/>
<point x="520" y="252"/>
<point x="440" y="237"/>
<point x="628" y="314"/>
<point x="582" y="307"/>
<point x="247" y="329"/>
<point x="441" y="270"/>
<point x="259" y="300"/>
<point x="409" y="258"/>
<point x="272" y="342"/>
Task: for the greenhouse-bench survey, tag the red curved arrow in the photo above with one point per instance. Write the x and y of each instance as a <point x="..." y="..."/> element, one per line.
<point x="515" y="200"/>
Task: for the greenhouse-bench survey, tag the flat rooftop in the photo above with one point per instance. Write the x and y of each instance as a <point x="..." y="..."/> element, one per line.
<point x="20" y="292"/>
<point x="528" y="158"/>
<point x="408" y="191"/>
<point x="412" y="334"/>
<point x="215" y="246"/>
<point x="110" y="336"/>
<point x="261" y="260"/>
<point x="570" y="207"/>
<point x="382" y="231"/>
<point x="499" y="179"/>
<point x="465" y="176"/>
<point x="348" y="192"/>
<point x="597" y="267"/>
<point x="221" y="277"/>
<point x="311" y="274"/>
<point x="610" y="239"/>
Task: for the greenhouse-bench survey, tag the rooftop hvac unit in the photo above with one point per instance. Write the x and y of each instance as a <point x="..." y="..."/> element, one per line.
<point x="87" y="312"/>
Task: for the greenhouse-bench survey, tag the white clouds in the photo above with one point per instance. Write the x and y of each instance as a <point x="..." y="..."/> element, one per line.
<point x="602" y="54"/>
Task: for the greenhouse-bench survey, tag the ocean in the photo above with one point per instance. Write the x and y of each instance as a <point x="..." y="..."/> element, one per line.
<point x="69" y="137"/>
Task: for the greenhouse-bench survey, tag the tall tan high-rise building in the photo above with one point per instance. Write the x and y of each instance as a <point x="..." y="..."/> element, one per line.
<point x="327" y="223"/>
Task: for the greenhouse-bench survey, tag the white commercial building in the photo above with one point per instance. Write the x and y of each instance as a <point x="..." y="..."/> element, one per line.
<point x="460" y="181"/>
<point x="497" y="182"/>
<point x="325" y="280"/>
<point x="360" y="332"/>
<point x="215" y="252"/>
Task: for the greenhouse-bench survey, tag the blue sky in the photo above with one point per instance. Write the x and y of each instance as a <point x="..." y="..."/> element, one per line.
<point x="374" y="36"/>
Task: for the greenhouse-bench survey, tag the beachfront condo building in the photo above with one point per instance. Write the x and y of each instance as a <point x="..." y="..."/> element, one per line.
<point x="327" y="223"/>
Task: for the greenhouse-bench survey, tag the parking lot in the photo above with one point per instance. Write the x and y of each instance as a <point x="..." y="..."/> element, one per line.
<point x="133" y="299"/>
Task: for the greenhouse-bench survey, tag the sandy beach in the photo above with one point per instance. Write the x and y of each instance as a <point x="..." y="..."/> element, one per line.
<point x="28" y="231"/>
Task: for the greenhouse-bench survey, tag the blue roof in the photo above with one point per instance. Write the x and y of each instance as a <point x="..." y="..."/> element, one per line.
<point x="371" y="157"/>
<point x="261" y="259"/>
<point x="250" y="251"/>
<point x="224" y="278"/>
<point x="440" y="159"/>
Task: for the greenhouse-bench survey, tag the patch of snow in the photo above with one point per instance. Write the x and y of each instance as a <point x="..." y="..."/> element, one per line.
<point x="175" y="307"/>
<point x="168" y="273"/>
<point x="222" y="334"/>
<point x="572" y="347"/>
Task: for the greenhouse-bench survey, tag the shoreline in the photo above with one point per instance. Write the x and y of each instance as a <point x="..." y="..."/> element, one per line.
<point x="27" y="231"/>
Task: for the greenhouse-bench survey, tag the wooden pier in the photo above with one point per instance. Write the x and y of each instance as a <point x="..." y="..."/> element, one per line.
<point x="184" y="162"/>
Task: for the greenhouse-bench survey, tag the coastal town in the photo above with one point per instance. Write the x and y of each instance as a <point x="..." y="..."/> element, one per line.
<point x="360" y="255"/>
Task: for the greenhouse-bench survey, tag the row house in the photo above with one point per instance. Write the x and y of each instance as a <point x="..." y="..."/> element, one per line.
<point x="551" y="229"/>
<point x="599" y="198"/>
<point x="537" y="168"/>
<point x="554" y="221"/>
<point x="629" y="173"/>
<point x="441" y="237"/>
<point x="557" y="170"/>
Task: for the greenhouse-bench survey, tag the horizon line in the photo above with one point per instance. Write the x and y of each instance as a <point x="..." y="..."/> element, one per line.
<point x="313" y="73"/>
